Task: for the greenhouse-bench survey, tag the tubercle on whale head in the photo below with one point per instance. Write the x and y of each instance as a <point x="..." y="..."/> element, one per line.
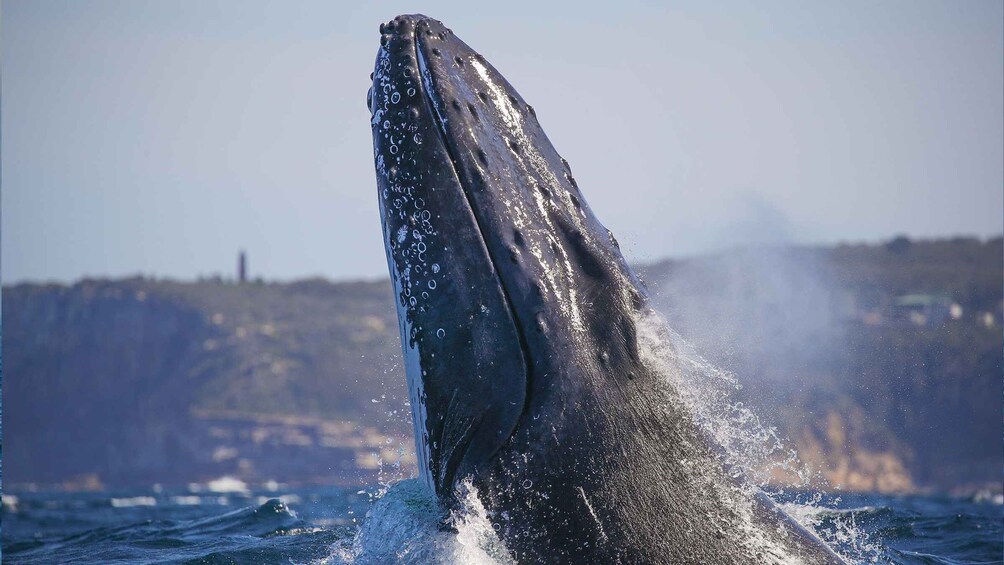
<point x="491" y="246"/>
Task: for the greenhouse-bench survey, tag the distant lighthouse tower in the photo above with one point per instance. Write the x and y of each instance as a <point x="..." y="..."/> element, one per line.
<point x="242" y="267"/>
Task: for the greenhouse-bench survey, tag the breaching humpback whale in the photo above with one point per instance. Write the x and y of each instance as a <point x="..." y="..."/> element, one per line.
<point x="519" y="324"/>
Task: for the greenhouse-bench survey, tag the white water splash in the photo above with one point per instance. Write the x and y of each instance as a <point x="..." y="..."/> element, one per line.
<point x="839" y="528"/>
<point x="406" y="526"/>
<point x="747" y="445"/>
<point x="749" y="449"/>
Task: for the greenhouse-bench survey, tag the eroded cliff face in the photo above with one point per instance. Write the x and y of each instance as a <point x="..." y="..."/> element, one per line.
<point x="836" y="452"/>
<point x="136" y="381"/>
<point x="98" y="379"/>
<point x="845" y="462"/>
<point x="140" y="381"/>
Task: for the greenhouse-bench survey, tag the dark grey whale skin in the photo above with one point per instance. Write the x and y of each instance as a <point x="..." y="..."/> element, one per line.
<point x="520" y="328"/>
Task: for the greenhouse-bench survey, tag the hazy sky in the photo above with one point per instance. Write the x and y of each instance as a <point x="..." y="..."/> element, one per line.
<point x="159" y="137"/>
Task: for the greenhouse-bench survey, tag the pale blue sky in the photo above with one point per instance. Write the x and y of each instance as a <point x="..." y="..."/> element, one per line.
<point x="160" y="137"/>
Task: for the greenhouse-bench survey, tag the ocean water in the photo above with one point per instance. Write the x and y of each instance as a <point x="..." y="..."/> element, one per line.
<point x="336" y="526"/>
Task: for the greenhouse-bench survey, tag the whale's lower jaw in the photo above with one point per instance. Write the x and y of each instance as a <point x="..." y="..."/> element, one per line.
<point x="520" y="325"/>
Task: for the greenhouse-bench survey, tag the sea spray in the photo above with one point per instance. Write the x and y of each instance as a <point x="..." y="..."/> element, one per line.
<point x="840" y="528"/>
<point x="408" y="526"/>
<point x="709" y="392"/>
<point x="753" y="453"/>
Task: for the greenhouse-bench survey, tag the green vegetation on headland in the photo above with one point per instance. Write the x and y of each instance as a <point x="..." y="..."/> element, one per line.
<point x="883" y="364"/>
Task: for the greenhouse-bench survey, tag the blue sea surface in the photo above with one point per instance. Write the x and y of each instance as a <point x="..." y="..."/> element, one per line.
<point x="320" y="525"/>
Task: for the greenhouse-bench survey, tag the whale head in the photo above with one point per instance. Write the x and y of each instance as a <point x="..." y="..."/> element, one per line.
<point x="519" y="324"/>
<point x="509" y="290"/>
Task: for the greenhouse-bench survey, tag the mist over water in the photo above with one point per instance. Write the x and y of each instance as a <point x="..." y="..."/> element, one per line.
<point x="752" y="452"/>
<point x="777" y="305"/>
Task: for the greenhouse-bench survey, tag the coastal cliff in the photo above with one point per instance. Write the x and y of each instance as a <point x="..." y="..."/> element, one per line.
<point x="882" y="364"/>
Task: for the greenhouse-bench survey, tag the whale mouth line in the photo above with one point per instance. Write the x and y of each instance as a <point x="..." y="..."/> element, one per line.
<point x="433" y="105"/>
